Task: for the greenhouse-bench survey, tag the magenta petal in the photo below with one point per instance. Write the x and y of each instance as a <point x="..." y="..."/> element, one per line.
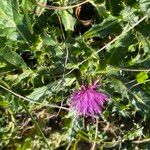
<point x="88" y="101"/>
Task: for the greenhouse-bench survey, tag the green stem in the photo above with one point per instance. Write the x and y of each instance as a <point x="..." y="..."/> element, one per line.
<point x="36" y="124"/>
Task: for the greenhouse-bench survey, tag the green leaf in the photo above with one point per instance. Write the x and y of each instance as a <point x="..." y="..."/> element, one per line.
<point x="108" y="26"/>
<point x="27" y="8"/>
<point x="118" y="50"/>
<point x="12" y="21"/>
<point x="141" y="77"/>
<point x="51" y="88"/>
<point x="3" y="103"/>
<point x="28" y="5"/>
<point x="110" y="144"/>
<point x="138" y="98"/>
<point x="12" y="57"/>
<point x="67" y="19"/>
<point x="119" y="86"/>
<point x="101" y="9"/>
<point x="41" y="92"/>
<point x="141" y="101"/>
<point x="114" y="6"/>
<point x="144" y="6"/>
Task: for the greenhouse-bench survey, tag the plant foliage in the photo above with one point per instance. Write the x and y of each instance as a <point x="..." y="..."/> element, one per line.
<point x="46" y="52"/>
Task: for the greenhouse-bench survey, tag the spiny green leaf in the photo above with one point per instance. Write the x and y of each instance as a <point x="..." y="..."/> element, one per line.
<point x="119" y="49"/>
<point x="141" y="101"/>
<point x="119" y="87"/>
<point x="101" y="30"/>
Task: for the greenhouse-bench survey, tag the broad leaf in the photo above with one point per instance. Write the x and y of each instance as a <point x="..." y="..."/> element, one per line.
<point x="50" y="89"/>
<point x="11" y="21"/>
<point x="108" y="26"/>
<point x="12" y="57"/>
<point x="141" y="77"/>
<point x="67" y="19"/>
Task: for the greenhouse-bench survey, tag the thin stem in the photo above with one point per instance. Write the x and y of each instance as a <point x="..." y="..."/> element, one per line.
<point x="59" y="7"/>
<point x="129" y="82"/>
<point x="142" y="141"/>
<point x="133" y="70"/>
<point x="36" y="124"/>
<point x="65" y="63"/>
<point x="31" y="100"/>
<point x="69" y="145"/>
<point x="138" y="84"/>
<point x="96" y="133"/>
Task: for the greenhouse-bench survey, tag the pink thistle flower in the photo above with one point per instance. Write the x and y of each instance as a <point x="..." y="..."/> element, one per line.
<point x="88" y="101"/>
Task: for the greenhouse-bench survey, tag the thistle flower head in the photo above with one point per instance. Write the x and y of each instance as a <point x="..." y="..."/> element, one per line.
<point x="88" y="101"/>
